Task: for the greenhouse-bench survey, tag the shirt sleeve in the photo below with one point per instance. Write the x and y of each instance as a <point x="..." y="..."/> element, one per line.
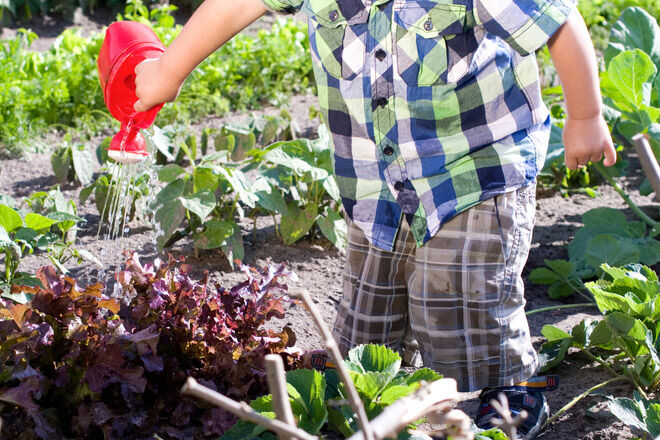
<point x="526" y="25"/>
<point x="283" y="6"/>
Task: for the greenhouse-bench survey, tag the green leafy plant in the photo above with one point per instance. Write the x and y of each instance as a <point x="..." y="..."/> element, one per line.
<point x="375" y="371"/>
<point x="60" y="87"/>
<point x="628" y="333"/>
<point x="190" y="198"/>
<point x="24" y="234"/>
<point x="301" y="171"/>
<point x="638" y="412"/>
<point x="71" y="162"/>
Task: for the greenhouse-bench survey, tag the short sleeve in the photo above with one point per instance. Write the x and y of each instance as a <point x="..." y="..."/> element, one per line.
<point x="526" y="25"/>
<point x="283" y="6"/>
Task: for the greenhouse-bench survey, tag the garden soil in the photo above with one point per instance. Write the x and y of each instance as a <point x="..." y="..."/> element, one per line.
<point x="319" y="266"/>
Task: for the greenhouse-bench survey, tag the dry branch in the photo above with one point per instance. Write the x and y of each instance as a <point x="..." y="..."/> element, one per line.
<point x="242" y="410"/>
<point x="277" y="387"/>
<point x="648" y="161"/>
<point x="439" y="395"/>
<point x="333" y="351"/>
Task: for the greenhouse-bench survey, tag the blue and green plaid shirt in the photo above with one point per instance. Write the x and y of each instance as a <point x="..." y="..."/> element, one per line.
<point x="433" y="105"/>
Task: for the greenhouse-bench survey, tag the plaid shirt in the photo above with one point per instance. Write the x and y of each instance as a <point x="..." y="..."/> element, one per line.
<point x="433" y="105"/>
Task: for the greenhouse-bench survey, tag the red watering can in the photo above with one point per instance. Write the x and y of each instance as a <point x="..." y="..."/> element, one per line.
<point x="127" y="44"/>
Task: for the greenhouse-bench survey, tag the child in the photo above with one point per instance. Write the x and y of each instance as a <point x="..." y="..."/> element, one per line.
<point x="439" y="131"/>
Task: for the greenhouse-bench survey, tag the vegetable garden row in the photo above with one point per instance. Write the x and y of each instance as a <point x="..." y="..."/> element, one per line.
<point x="81" y="362"/>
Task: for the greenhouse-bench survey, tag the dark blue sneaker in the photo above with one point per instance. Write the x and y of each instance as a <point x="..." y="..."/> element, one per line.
<point x="528" y="396"/>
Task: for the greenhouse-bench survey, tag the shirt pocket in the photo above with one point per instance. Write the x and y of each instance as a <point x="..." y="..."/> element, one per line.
<point x="338" y="35"/>
<point x="422" y="29"/>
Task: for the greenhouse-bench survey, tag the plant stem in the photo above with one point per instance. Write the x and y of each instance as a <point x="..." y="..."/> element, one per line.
<point x="626" y="198"/>
<point x="581" y="396"/>
<point x="563" y="306"/>
<point x="602" y="363"/>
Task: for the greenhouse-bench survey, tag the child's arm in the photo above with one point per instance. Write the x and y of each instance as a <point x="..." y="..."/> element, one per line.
<point x="214" y="23"/>
<point x="586" y="136"/>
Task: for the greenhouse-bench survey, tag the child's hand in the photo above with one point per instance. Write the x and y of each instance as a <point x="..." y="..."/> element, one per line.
<point x="587" y="140"/>
<point x="153" y="85"/>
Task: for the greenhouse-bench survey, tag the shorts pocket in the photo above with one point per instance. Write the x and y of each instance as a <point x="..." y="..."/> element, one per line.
<point x="337" y="36"/>
<point x="422" y="30"/>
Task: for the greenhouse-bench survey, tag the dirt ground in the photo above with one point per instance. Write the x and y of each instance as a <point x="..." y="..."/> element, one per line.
<point x="319" y="266"/>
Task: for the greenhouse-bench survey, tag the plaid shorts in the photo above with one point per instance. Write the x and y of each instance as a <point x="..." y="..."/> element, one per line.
<point x="461" y="294"/>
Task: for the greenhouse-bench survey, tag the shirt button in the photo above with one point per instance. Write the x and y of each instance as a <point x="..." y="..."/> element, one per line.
<point x="399" y="186"/>
<point x="380" y="102"/>
<point x="333" y="15"/>
<point x="428" y="25"/>
<point x="380" y="54"/>
<point x="382" y="6"/>
<point x="388" y="151"/>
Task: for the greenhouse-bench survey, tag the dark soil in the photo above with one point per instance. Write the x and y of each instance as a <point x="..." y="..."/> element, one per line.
<point x="319" y="266"/>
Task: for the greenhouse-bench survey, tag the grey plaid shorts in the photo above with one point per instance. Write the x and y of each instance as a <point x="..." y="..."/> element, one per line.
<point x="461" y="294"/>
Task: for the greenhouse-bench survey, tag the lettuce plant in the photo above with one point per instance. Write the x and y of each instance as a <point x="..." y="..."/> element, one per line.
<point x="77" y="363"/>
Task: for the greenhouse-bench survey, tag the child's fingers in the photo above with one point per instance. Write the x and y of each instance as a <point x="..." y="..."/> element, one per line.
<point x="141" y="106"/>
<point x="610" y="154"/>
<point x="571" y="161"/>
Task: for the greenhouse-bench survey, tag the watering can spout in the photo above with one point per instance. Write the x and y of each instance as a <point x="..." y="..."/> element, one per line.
<point x="126" y="44"/>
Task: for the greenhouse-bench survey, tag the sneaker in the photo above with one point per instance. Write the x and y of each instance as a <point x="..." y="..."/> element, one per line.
<point x="526" y="395"/>
<point x="318" y="360"/>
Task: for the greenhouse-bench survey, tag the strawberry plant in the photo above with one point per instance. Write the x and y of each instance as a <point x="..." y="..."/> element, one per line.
<point x="627" y="336"/>
<point x="375" y="371"/>
<point x="76" y="363"/>
<point x="638" y="412"/>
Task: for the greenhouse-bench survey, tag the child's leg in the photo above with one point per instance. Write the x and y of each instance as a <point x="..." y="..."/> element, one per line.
<point x="466" y="302"/>
<point x="374" y="304"/>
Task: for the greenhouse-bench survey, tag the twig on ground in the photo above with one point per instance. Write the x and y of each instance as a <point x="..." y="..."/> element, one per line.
<point x="242" y="410"/>
<point x="277" y="387"/>
<point x="506" y="422"/>
<point x="333" y="351"/>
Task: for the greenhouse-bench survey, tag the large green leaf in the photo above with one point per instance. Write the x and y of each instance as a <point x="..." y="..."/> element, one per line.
<point x="628" y="80"/>
<point x="272" y="200"/>
<point x="215" y="234"/>
<point x="611" y="250"/>
<point x="297" y="222"/>
<point x="626" y="326"/>
<point x="201" y="203"/>
<point x="635" y="29"/>
<point x="84" y="163"/>
<point x="168" y="218"/>
<point x="552" y="353"/>
<point x="375" y="358"/>
<point x="61" y="162"/>
<point x="553" y="333"/>
<point x="170" y="172"/>
<point x="334" y="228"/>
<point x="306" y="392"/>
<point x="233" y="247"/>
<point x="629" y="412"/>
<point x="38" y="222"/>
<point x="10" y="220"/>
<point x="205" y="178"/>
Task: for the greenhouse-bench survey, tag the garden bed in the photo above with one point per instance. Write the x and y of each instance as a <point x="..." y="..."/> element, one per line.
<point x="319" y="265"/>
